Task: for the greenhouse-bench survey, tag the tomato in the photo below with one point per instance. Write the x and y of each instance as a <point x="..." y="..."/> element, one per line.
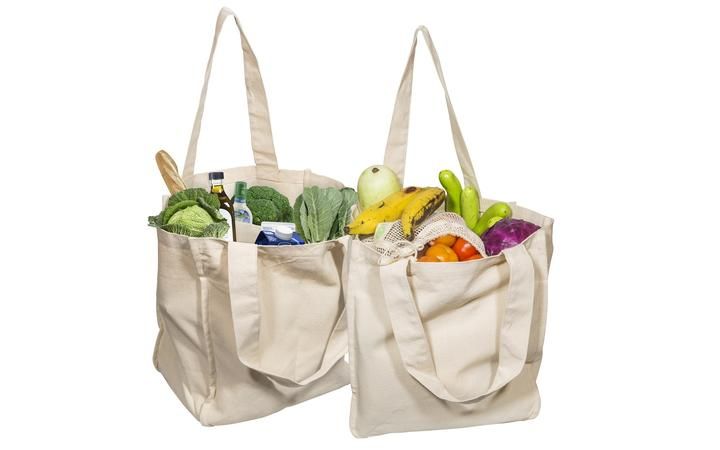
<point x="464" y="249"/>
<point x="442" y="252"/>
<point x="447" y="239"/>
<point x="427" y="258"/>
<point x="478" y="256"/>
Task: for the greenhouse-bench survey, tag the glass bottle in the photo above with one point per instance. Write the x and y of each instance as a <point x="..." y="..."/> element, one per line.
<point x="226" y="208"/>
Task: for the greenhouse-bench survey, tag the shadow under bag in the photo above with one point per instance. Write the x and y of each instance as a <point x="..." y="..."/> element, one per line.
<point x="444" y="345"/>
<point x="246" y="330"/>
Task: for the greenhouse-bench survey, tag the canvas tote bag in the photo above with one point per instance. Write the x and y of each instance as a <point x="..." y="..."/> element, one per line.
<point x="246" y="330"/>
<point x="444" y="345"/>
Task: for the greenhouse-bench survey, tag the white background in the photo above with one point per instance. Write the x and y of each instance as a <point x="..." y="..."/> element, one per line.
<point x="603" y="115"/>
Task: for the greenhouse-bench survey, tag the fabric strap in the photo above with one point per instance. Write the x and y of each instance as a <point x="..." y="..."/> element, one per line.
<point x="396" y="149"/>
<point x="258" y="111"/>
<point x="413" y="343"/>
<point x="246" y="314"/>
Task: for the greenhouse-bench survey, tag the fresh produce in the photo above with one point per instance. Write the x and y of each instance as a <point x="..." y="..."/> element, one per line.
<point x="453" y="188"/>
<point x="192" y="212"/>
<point x="447" y="239"/>
<point x="419" y="208"/>
<point x="268" y="205"/>
<point x="320" y="214"/>
<point x="375" y="184"/>
<point x="488" y="219"/>
<point x="464" y="250"/>
<point x="442" y="253"/>
<point x="507" y="233"/>
<point x="470" y="206"/>
<point x="386" y="210"/>
<point x="449" y="248"/>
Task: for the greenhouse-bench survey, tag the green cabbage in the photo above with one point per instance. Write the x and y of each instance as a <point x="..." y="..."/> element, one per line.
<point x="193" y="212"/>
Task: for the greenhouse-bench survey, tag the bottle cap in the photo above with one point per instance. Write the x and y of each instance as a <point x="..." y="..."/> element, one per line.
<point x="216" y="175"/>
<point x="240" y="189"/>
<point x="283" y="232"/>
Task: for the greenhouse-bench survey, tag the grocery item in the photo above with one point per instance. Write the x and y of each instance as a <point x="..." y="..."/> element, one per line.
<point x="488" y="218"/>
<point x="376" y="183"/>
<point x="268" y="205"/>
<point x="507" y="233"/>
<point x="465" y="250"/>
<point x="226" y="208"/>
<point x="442" y="252"/>
<point x="420" y="208"/>
<point x="427" y="258"/>
<point x="241" y="212"/>
<point x="320" y="214"/>
<point x="386" y="210"/>
<point x="192" y="212"/>
<point x="453" y="188"/>
<point x="447" y="239"/>
<point x="470" y="206"/>
<point x="169" y="172"/>
<point x="278" y="233"/>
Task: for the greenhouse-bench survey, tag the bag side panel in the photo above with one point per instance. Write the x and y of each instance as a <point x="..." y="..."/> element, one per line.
<point x="182" y="348"/>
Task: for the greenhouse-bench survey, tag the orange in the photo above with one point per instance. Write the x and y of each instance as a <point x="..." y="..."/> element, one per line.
<point x="447" y="239"/>
<point x="442" y="252"/>
<point x="478" y="256"/>
<point x="427" y="258"/>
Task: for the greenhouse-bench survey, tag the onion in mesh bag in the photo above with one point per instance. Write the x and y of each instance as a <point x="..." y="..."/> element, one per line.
<point x="507" y="233"/>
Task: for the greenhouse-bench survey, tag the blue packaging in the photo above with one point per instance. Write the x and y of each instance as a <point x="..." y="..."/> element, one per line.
<point x="278" y="234"/>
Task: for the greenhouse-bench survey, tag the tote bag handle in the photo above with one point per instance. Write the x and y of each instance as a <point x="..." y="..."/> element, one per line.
<point x="415" y="348"/>
<point x="246" y="314"/>
<point x="258" y="111"/>
<point x="396" y="149"/>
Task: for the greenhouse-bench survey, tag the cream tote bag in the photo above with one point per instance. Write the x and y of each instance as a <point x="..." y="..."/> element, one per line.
<point x="444" y="345"/>
<point x="246" y="330"/>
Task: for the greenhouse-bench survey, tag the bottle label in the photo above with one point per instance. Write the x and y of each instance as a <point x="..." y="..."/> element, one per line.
<point x="226" y="215"/>
<point x="242" y="216"/>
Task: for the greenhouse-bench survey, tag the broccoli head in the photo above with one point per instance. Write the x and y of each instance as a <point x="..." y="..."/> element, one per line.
<point x="268" y="205"/>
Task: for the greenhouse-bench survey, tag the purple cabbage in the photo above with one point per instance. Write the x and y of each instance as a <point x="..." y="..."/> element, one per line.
<point x="505" y="234"/>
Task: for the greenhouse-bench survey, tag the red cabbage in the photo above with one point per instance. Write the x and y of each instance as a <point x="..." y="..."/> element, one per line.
<point x="505" y="234"/>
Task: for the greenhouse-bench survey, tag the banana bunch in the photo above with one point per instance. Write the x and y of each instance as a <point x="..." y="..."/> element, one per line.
<point x="412" y="205"/>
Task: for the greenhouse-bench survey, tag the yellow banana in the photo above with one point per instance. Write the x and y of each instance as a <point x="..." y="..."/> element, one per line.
<point x="419" y="208"/>
<point x="387" y="210"/>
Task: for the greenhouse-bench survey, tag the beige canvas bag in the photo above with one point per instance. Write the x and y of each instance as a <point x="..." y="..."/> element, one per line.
<point x="246" y="330"/>
<point x="444" y="345"/>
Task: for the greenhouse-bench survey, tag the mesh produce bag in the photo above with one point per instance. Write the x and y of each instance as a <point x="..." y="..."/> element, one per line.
<point x="392" y="245"/>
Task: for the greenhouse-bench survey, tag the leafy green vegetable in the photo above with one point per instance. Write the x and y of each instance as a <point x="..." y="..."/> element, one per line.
<point x="268" y="205"/>
<point x="214" y="212"/>
<point x="300" y="216"/>
<point x="350" y="197"/>
<point x="320" y="214"/>
<point x="194" y="194"/>
<point x="193" y="212"/>
<point x="170" y="210"/>
<point x="216" y="230"/>
<point x="193" y="218"/>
